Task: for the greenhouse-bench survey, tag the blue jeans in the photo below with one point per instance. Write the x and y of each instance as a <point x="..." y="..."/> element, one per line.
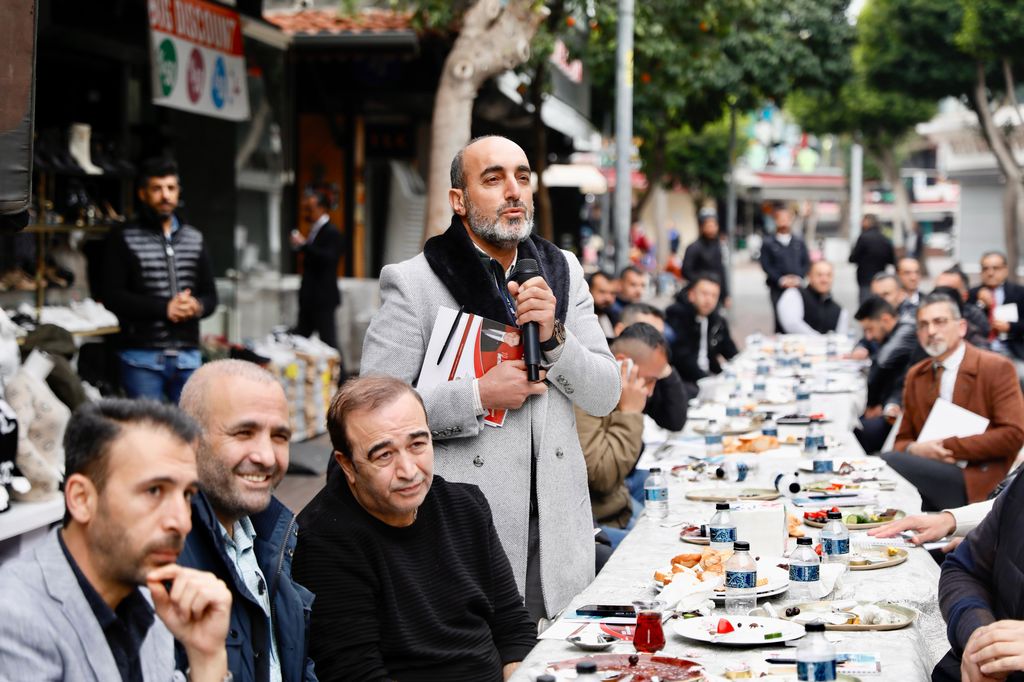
<point x="157" y="374"/>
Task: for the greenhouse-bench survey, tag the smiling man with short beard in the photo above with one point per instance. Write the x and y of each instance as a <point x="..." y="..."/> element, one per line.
<point x="241" y="532"/>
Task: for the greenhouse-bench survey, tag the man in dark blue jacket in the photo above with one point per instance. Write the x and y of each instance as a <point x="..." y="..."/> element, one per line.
<point x="240" y="532"/>
<point x="784" y="259"/>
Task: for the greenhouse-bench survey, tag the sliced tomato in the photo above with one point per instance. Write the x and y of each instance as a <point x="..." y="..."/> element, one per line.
<point x="817" y="549"/>
<point x="724" y="626"/>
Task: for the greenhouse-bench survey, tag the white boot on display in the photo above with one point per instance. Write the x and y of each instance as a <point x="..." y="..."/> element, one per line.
<point x="78" y="145"/>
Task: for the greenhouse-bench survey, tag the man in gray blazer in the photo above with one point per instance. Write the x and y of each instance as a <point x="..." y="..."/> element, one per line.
<point x="74" y="608"/>
<point x="531" y="468"/>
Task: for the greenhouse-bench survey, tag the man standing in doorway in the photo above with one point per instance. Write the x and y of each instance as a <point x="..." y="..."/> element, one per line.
<point x="159" y="282"/>
<point x="784" y="259"/>
<point x="531" y="469"/>
<point x="321" y="249"/>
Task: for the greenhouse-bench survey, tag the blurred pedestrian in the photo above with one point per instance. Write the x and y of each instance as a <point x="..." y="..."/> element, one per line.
<point x="705" y="255"/>
<point x="321" y="248"/>
<point x="871" y="254"/>
<point x="784" y="259"/>
<point x="908" y="272"/>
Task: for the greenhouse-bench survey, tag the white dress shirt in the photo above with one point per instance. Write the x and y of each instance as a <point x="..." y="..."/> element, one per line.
<point x="950" y="367"/>
<point x="320" y="222"/>
<point x="791" y="315"/>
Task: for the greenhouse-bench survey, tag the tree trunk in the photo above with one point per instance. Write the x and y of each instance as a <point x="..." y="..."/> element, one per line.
<point x="1013" y="210"/>
<point x="653" y="174"/>
<point x="903" y="218"/>
<point x="495" y="37"/>
<point x="542" y="199"/>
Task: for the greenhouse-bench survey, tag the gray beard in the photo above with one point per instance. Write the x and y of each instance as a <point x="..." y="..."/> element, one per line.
<point x="492" y="231"/>
<point x="935" y="350"/>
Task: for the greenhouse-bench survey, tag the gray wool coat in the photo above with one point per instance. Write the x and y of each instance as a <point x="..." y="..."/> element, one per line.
<point x="48" y="632"/>
<point x="498" y="459"/>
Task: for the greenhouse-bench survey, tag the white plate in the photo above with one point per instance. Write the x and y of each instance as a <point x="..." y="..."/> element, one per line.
<point x="744" y="635"/>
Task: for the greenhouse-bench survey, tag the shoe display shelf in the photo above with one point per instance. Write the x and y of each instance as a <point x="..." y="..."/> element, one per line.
<point x="41" y="231"/>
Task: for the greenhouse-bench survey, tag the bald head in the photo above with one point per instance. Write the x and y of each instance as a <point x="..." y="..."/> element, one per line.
<point x="820" y="277"/>
<point x="215" y="376"/>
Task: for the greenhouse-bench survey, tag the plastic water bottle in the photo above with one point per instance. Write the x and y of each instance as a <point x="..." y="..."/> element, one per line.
<point x="788" y="483"/>
<point x="712" y="439"/>
<point x="822" y="462"/>
<point x="656" y="494"/>
<point x="815" y="656"/>
<point x="764" y="368"/>
<point x="815" y="437"/>
<point x="587" y="671"/>
<point x="769" y="427"/>
<point x="760" y="387"/>
<point x="835" y="541"/>
<point x="831" y="347"/>
<point x="804" y="572"/>
<point x="803" y="397"/>
<point x="740" y="580"/>
<point x="734" y="407"/>
<point x="734" y="471"/>
<point x="721" y="528"/>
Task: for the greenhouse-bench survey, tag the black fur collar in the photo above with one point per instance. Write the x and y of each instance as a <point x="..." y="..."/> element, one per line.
<point x="455" y="260"/>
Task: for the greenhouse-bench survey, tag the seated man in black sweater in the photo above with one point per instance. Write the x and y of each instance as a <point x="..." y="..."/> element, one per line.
<point x="411" y="581"/>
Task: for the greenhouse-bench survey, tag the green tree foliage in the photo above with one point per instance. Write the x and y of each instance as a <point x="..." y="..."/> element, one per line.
<point x="696" y="60"/>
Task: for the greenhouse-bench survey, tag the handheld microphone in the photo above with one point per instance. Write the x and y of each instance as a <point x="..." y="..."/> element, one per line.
<point x="526" y="269"/>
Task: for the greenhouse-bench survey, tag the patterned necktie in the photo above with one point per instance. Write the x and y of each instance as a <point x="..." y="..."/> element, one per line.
<point x="937" y="369"/>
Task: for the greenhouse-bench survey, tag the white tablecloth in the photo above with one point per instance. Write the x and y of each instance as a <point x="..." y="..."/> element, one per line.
<point x="907" y="655"/>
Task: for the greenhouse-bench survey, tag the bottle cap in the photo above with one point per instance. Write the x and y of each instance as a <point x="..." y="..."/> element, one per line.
<point x="720" y="472"/>
<point x="655" y="470"/>
<point x="721" y="505"/>
<point x="741" y="546"/>
<point x="546" y="678"/>
<point x="822" y="448"/>
<point x="712" y="421"/>
<point x="591" y="667"/>
<point x="835" y="515"/>
<point x="803" y="541"/>
<point x="816" y="626"/>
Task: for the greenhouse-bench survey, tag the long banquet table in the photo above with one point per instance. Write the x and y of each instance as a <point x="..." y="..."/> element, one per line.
<point x="908" y="654"/>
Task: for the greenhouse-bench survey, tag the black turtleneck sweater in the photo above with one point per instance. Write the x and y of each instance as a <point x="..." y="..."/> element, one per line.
<point x="435" y="600"/>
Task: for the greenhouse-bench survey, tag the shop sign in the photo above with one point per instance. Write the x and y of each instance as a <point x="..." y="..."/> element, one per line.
<point x="197" y="58"/>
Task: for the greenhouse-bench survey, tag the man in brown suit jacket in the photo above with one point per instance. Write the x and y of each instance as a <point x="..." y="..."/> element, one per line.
<point x="954" y="471"/>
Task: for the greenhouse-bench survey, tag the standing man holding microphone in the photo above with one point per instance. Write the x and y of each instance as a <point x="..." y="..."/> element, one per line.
<point x="531" y="468"/>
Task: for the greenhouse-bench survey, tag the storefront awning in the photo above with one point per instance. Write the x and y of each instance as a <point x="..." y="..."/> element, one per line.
<point x="581" y="175"/>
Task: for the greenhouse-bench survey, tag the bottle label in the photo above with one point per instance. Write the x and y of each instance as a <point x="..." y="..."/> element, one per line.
<point x="722" y="535"/>
<point x="803" y="396"/>
<point x="770" y="431"/>
<point x="835" y="546"/>
<point x="740" y="580"/>
<point x="822" y="466"/>
<point x="804" y="574"/>
<point x="818" y="671"/>
<point x="713" y="439"/>
<point x="732" y="412"/>
<point x="656" y="494"/>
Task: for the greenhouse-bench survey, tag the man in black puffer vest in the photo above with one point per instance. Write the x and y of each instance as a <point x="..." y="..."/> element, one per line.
<point x="811" y="309"/>
<point x="159" y="282"/>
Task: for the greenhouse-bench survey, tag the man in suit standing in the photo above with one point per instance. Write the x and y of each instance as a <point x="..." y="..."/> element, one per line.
<point x="871" y="253"/>
<point x="531" y="469"/>
<point x="321" y="250"/>
<point x="74" y="608"/>
<point x="954" y="471"/>
<point x="705" y="255"/>
<point x="996" y="289"/>
<point x="784" y="259"/>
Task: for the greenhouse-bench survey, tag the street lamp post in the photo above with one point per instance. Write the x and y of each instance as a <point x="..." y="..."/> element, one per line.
<point x="623" y="132"/>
